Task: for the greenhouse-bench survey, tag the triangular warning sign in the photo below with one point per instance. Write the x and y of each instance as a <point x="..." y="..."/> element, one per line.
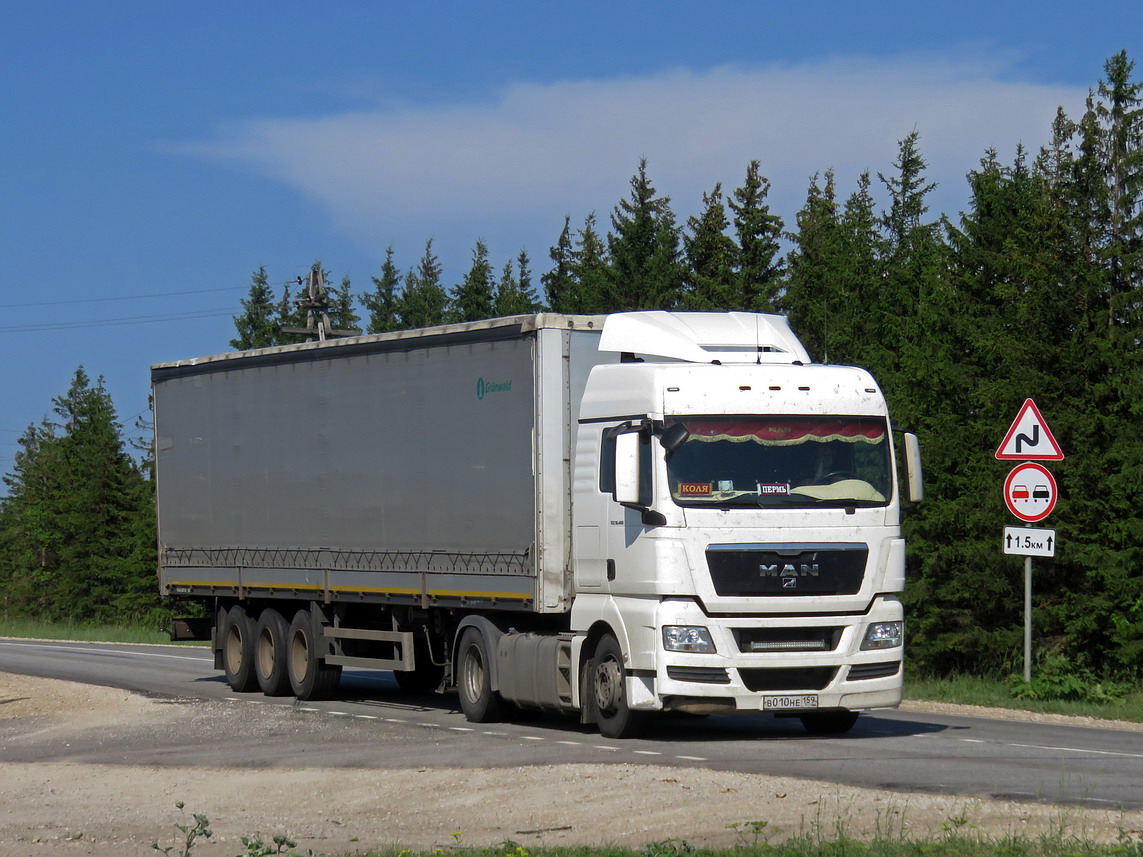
<point x="1029" y="438"/>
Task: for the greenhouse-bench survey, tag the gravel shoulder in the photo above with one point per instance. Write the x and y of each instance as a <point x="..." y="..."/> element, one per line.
<point x="118" y="810"/>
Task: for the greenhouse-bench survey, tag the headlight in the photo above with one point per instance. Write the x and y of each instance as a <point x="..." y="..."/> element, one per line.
<point x="882" y="635"/>
<point x="688" y="638"/>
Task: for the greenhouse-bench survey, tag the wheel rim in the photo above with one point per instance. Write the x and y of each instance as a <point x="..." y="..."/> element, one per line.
<point x="264" y="654"/>
<point x="472" y="676"/>
<point x="299" y="657"/>
<point x="608" y="685"/>
<point x="233" y="650"/>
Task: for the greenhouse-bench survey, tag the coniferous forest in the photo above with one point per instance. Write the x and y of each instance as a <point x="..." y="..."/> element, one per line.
<point x="1035" y="290"/>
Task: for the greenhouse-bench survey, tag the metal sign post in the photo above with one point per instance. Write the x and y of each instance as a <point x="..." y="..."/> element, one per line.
<point x="1028" y="619"/>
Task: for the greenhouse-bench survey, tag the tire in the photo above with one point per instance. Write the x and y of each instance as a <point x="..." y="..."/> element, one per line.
<point x="270" y="635"/>
<point x="238" y="650"/>
<point x="427" y="675"/>
<point x="607" y="684"/>
<point x="479" y="702"/>
<point x="310" y="676"/>
<point x="829" y="722"/>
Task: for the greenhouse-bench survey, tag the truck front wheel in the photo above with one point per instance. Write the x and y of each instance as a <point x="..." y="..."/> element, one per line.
<point x="607" y="684"/>
<point x="479" y="702"/>
<point x="829" y="722"/>
<point x="238" y="650"/>
<point x="310" y="676"/>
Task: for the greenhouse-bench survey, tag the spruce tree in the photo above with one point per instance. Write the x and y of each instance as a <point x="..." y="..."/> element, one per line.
<point x="559" y="284"/>
<point x="473" y="298"/>
<point x="514" y="292"/>
<point x="381" y="302"/>
<point x="758" y="230"/>
<point x="342" y="315"/>
<point x="591" y="271"/>
<point x="710" y="255"/>
<point x="915" y="262"/>
<point x="80" y="516"/>
<point x="423" y="300"/>
<point x="255" y="325"/>
<point x="816" y="290"/>
<point x="645" y="270"/>
<point x="989" y="343"/>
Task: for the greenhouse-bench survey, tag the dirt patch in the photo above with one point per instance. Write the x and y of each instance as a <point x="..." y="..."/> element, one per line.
<point x="118" y="810"/>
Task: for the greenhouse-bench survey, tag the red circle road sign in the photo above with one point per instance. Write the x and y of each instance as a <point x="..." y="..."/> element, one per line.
<point x="1030" y="492"/>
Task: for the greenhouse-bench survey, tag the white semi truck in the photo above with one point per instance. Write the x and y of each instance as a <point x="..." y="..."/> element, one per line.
<point x="609" y="516"/>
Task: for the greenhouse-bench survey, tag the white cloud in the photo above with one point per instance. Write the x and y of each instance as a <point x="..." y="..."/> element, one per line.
<point x="538" y="152"/>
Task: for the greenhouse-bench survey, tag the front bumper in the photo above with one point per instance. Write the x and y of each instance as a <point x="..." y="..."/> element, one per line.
<point x="758" y="665"/>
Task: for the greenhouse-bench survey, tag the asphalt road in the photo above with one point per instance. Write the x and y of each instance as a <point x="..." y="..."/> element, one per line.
<point x="374" y="724"/>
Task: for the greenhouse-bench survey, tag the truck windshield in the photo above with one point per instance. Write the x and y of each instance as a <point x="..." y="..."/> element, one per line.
<point x="781" y="461"/>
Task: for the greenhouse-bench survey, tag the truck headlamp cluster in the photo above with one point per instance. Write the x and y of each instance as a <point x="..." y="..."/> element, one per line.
<point x="883" y="635"/>
<point x="688" y="638"/>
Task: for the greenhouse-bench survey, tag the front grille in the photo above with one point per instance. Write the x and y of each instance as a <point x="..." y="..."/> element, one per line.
<point x="787" y="678"/>
<point x="787" y="639"/>
<point x="706" y="675"/>
<point x="867" y="671"/>
<point x="786" y="570"/>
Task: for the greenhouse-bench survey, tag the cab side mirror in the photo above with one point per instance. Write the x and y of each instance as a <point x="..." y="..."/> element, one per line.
<point x="627" y="468"/>
<point x="914" y="477"/>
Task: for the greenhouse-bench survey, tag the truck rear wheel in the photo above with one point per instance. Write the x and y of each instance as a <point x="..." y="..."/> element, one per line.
<point x="479" y="702"/>
<point x="310" y="676"/>
<point x="271" y="633"/>
<point x="238" y="650"/>
<point x="607" y="684"/>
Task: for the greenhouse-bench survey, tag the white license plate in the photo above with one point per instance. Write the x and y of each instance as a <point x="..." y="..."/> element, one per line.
<point x="789" y="703"/>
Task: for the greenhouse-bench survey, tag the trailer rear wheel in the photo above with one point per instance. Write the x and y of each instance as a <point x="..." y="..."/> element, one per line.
<point x="608" y="687"/>
<point x="238" y="650"/>
<point x="271" y="633"/>
<point x="829" y="722"/>
<point x="479" y="702"/>
<point x="310" y="676"/>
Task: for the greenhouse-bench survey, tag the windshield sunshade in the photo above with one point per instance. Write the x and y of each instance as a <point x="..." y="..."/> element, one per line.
<point x="781" y="461"/>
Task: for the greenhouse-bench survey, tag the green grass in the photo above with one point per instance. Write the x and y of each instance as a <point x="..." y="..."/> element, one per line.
<point x="971" y="690"/>
<point x="30" y="628"/>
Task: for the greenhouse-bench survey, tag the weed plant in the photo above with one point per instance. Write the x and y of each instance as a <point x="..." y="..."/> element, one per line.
<point x="957" y="838"/>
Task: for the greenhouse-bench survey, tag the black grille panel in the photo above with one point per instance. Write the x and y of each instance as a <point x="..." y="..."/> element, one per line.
<point x="706" y="675"/>
<point x="787" y="570"/>
<point x="751" y="640"/>
<point x="787" y="678"/>
<point x="866" y="671"/>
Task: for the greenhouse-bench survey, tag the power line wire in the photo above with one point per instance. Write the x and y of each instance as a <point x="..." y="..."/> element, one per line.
<point x="112" y="322"/>
<point x="136" y="297"/>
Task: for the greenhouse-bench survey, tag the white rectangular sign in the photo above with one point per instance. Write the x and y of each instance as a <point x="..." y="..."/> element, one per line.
<point x="1026" y="541"/>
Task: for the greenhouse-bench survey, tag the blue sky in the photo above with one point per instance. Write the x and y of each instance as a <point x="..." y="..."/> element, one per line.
<point x="155" y="154"/>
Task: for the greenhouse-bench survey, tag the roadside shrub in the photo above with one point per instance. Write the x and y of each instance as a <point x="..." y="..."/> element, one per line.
<point x="1058" y="677"/>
